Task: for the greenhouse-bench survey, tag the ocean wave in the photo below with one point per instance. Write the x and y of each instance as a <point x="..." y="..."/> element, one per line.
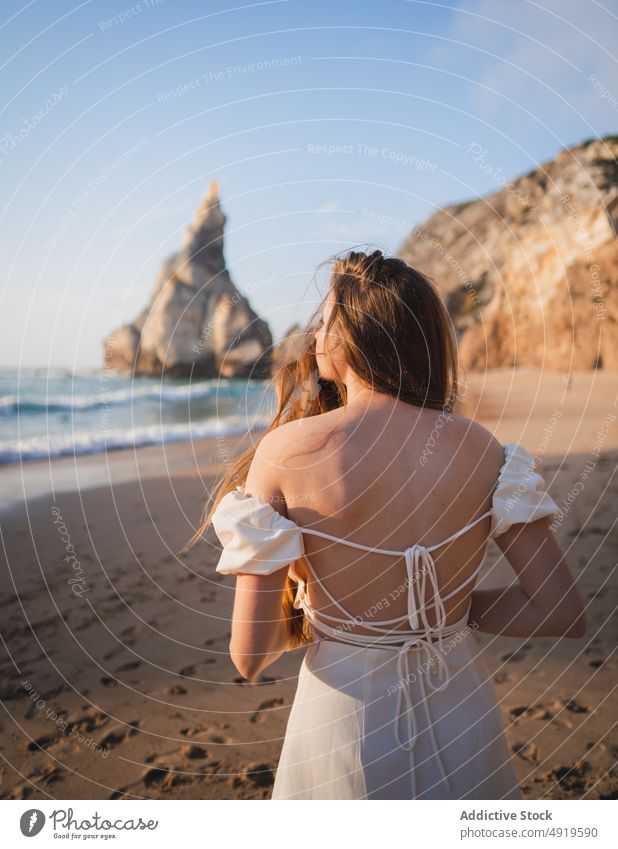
<point x="89" y="442"/>
<point x="32" y="404"/>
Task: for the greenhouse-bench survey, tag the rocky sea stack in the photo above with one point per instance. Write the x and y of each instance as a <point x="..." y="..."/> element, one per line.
<point x="529" y="273"/>
<point x="197" y="323"/>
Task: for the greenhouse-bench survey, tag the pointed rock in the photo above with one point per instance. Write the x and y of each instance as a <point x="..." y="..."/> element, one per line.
<point x="197" y="323"/>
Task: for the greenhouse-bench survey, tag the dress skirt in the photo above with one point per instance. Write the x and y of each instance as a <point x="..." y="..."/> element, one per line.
<point x="340" y="740"/>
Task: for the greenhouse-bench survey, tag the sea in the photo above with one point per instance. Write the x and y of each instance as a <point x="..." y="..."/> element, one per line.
<point x="56" y="413"/>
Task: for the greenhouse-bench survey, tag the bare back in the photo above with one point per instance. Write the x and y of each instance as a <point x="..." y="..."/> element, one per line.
<point x="389" y="475"/>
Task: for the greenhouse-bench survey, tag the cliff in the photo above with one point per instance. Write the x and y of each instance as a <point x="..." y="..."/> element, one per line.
<point x="196" y="323"/>
<point x="529" y="273"/>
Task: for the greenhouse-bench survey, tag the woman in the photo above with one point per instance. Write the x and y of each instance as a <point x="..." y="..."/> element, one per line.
<point x="357" y="527"/>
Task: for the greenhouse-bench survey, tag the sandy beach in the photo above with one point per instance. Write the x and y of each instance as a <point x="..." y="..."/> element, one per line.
<point x="116" y="682"/>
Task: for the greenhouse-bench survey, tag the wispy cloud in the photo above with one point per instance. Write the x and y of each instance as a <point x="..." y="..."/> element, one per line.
<point x="539" y="54"/>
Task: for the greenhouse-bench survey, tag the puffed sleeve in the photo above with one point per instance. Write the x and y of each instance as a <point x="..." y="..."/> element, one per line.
<point x="255" y="537"/>
<point x="520" y="494"/>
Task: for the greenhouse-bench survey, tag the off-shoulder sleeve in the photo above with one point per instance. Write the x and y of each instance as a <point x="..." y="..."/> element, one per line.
<point x="520" y="494"/>
<point x="255" y="537"/>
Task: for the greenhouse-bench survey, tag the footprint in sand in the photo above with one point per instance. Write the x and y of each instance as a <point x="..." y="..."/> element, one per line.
<point x="119" y="734"/>
<point x="88" y="723"/>
<point x="51" y="694"/>
<point x="132" y="664"/>
<point x="112" y="738"/>
<point x="194" y="752"/>
<point x="570" y="705"/>
<point x="48" y="696"/>
<point x="533" y="712"/>
<point x="517" y="655"/>
<point x="572" y="780"/>
<point x="156" y="776"/>
<point x="201" y="734"/>
<point x="114" y="653"/>
<point x="539" y="711"/>
<point x="260" y="713"/>
<point x="48" y="774"/>
<point x="44" y="742"/>
<point x="184" y="578"/>
<point x="263" y="679"/>
<point x="170" y="558"/>
<point x="192" y="730"/>
<point x="164" y="777"/>
<point x="526" y="751"/>
<point x="10" y="693"/>
<point x="254" y="775"/>
<point x="20" y="791"/>
<point x="11" y="598"/>
<point x="119" y="794"/>
<point x="211" y="768"/>
<point x="53" y="776"/>
<point x="503" y="678"/>
<point x="216" y="739"/>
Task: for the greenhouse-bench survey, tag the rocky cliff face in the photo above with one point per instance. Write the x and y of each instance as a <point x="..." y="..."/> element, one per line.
<point x="197" y="323"/>
<point x="530" y="273"/>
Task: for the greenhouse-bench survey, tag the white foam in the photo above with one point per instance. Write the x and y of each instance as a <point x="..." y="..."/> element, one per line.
<point x="95" y="442"/>
<point x="24" y="403"/>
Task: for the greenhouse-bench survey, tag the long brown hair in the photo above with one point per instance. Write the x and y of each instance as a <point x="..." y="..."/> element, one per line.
<point x="395" y="334"/>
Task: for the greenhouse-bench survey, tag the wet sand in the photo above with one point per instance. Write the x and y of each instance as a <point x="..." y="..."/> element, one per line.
<point x="116" y="680"/>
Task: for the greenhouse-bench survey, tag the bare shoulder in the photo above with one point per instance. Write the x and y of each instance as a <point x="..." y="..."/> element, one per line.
<point x="477" y="442"/>
<point x="297" y="435"/>
<point x="267" y="472"/>
<point x="278" y="455"/>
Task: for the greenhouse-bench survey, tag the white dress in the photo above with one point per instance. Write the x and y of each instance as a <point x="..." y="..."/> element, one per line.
<point x="403" y="714"/>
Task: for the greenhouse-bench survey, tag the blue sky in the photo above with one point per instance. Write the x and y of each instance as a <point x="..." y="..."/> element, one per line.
<point x="116" y="116"/>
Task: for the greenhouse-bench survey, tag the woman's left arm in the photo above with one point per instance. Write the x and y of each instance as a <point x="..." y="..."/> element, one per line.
<point x="545" y="601"/>
<point x="260" y="630"/>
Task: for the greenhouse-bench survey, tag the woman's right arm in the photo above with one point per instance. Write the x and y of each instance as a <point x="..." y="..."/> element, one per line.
<point x="545" y="602"/>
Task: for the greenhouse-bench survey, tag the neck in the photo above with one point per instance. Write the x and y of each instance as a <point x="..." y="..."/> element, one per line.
<point x="360" y="395"/>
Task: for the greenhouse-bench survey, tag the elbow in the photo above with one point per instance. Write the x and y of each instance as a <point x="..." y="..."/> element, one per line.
<point x="248" y="665"/>
<point x="246" y="670"/>
<point x="572" y="617"/>
<point x="578" y="626"/>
